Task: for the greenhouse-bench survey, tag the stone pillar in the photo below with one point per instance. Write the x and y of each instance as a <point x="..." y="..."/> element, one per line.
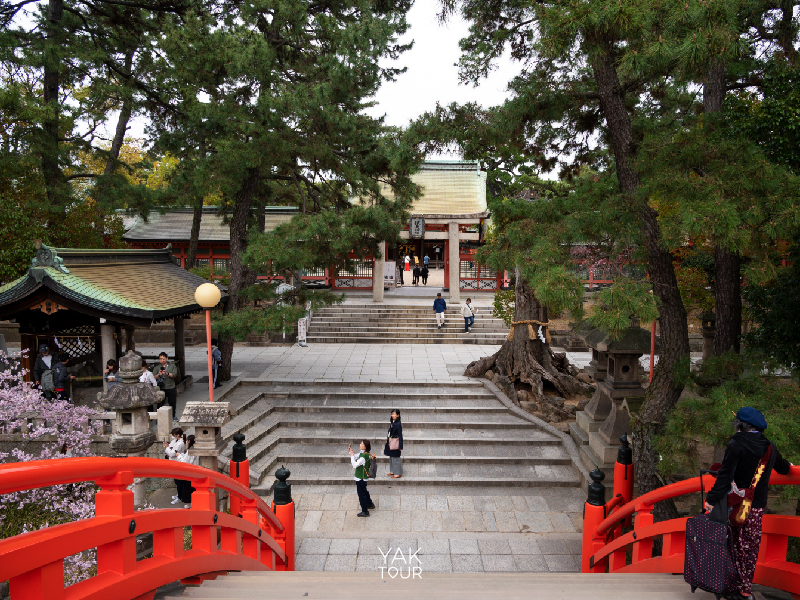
<point x="377" y="274"/>
<point x="164" y="422"/>
<point x="180" y="344"/>
<point x="709" y="325"/>
<point x="455" y="264"/>
<point x="107" y="348"/>
<point x="130" y="344"/>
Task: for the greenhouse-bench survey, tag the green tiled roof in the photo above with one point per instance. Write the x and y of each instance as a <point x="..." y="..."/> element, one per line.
<point x="143" y="284"/>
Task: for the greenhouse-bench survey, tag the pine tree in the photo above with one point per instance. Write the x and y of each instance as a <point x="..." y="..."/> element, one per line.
<point x="277" y="90"/>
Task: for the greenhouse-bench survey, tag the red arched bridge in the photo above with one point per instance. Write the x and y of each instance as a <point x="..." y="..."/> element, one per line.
<point x="618" y="535"/>
<point x="256" y="537"/>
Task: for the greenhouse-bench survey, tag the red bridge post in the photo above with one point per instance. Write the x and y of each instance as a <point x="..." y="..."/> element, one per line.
<point x="239" y="471"/>
<point x="594" y="511"/>
<point x="283" y="507"/>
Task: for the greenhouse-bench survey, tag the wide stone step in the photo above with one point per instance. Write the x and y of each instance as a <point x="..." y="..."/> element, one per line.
<point x="445" y="586"/>
<point x="399" y="394"/>
<point x="423" y="327"/>
<point x="412" y="333"/>
<point x="371" y="407"/>
<point x="434" y="474"/>
<point x="466" y="339"/>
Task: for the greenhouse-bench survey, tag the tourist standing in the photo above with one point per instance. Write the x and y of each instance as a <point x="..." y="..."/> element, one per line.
<point x="469" y="316"/>
<point x="361" y="464"/>
<point x="172" y="450"/>
<point x="185" y="489"/>
<point x="61" y="378"/>
<point x="166" y="374"/>
<point x="398" y="274"/>
<point x="44" y="362"/>
<point x="407" y="260"/>
<point x="394" y="445"/>
<point x="415" y="272"/>
<point x="747" y="450"/>
<point x="111" y="374"/>
<point x="439" y="307"/>
<point x="147" y="376"/>
<point x="216" y="360"/>
<point x="424" y="274"/>
<point x="425" y="260"/>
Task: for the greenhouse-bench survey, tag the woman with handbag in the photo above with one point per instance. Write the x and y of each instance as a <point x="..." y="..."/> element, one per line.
<point x="394" y="445"/>
<point x="743" y="477"/>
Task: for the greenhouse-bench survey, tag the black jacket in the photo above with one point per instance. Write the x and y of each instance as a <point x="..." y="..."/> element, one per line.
<point x="40" y="366"/>
<point x="60" y="376"/>
<point x="742" y="456"/>
<point x="395" y="430"/>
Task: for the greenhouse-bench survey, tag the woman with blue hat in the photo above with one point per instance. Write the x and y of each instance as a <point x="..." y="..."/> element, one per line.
<point x="749" y="460"/>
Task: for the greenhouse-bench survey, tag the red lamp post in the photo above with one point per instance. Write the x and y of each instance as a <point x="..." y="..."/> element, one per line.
<point x="208" y="296"/>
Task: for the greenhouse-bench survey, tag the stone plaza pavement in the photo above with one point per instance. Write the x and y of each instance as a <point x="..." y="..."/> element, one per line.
<point x="454" y="528"/>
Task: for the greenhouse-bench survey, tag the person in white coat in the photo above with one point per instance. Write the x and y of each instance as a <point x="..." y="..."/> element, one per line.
<point x="175" y="448"/>
<point x="469" y="316"/>
<point x="185" y="489"/>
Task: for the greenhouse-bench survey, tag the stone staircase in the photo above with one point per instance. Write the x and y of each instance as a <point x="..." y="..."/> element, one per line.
<point x="455" y="434"/>
<point x="387" y="324"/>
<point x="461" y="586"/>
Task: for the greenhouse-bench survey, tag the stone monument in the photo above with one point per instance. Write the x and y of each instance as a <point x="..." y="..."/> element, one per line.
<point x="132" y="435"/>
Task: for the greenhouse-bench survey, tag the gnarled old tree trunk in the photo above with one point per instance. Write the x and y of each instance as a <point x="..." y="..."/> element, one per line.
<point x="529" y="361"/>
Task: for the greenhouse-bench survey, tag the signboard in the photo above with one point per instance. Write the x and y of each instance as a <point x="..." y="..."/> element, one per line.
<point x="302" y="330"/>
<point x="389" y="279"/>
<point x="417" y="228"/>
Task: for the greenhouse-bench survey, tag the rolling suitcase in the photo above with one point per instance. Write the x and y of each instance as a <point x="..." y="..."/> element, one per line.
<point x="708" y="563"/>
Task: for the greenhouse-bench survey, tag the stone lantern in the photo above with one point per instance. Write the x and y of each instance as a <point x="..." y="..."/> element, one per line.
<point x="130" y="400"/>
<point x="622" y="390"/>
<point x="207" y="418"/>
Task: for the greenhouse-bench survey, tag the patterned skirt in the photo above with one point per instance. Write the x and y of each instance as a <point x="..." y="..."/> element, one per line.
<point x="746" y="542"/>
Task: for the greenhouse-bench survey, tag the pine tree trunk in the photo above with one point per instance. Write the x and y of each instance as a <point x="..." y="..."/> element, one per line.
<point x="727" y="282"/>
<point x="51" y="170"/>
<point x="727" y="300"/>
<point x="239" y="273"/>
<point x="122" y="122"/>
<point x="667" y="385"/>
<point x="194" y="236"/>
<point x="528" y="363"/>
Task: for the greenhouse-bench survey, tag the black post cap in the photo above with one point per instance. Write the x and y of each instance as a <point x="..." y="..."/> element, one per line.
<point x="283" y="491"/>
<point x="625" y="453"/>
<point x="239" y="449"/>
<point x="597" y="491"/>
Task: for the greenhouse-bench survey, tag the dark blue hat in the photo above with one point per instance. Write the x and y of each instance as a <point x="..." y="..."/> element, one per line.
<point x="751" y="416"/>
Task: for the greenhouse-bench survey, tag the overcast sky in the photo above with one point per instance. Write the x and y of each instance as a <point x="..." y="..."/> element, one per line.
<point x="432" y="74"/>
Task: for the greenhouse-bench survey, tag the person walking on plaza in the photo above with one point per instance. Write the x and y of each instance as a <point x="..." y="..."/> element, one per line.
<point x="361" y="464"/>
<point x="439" y="307"/>
<point x="166" y="374"/>
<point x="426" y="259"/>
<point x="415" y="272"/>
<point x="44" y="363"/>
<point x="407" y="260"/>
<point x="398" y="274"/>
<point x="112" y="374"/>
<point x="469" y="316"/>
<point x="394" y="445"/>
<point x="424" y="274"/>
<point x="748" y="451"/>
<point x="61" y="377"/>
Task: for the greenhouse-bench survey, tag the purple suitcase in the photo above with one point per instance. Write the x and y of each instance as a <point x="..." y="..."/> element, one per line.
<point x="708" y="563"/>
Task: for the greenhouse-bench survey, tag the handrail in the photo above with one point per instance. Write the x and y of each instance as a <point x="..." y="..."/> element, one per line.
<point x="252" y="538"/>
<point x="609" y="546"/>
<point x="16" y="477"/>
<point x="681" y="488"/>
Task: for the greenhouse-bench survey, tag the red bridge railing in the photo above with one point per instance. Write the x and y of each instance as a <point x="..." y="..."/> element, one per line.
<point x="258" y="540"/>
<point x="610" y="545"/>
